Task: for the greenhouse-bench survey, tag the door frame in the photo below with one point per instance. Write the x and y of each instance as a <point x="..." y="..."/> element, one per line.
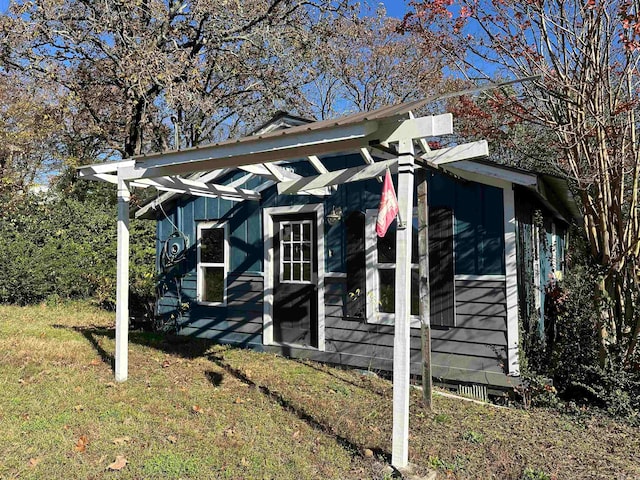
<point x="269" y="269"/>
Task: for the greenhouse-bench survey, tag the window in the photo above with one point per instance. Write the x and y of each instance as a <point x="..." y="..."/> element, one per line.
<point x="297" y="254"/>
<point x="213" y="252"/>
<point x="381" y="273"/>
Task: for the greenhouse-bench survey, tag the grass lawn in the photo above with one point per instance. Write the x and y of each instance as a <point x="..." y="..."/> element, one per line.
<point x="194" y="410"/>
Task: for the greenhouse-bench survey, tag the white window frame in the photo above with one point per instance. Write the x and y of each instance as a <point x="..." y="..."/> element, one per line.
<point x="374" y="315"/>
<point x="312" y="280"/>
<point x="201" y="265"/>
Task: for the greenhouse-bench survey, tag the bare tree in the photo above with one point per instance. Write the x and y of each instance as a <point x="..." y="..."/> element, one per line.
<point x="130" y="66"/>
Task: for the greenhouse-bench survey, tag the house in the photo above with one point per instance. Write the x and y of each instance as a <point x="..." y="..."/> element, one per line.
<point x="275" y="257"/>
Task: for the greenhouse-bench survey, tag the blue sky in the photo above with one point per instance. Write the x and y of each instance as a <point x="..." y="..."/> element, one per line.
<point x="395" y="8"/>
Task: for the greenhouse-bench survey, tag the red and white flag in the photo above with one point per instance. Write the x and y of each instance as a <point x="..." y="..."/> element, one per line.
<point x="388" y="208"/>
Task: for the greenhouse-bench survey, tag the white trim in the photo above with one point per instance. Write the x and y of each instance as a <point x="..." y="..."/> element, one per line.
<point x="201" y="265"/>
<point x="511" y="273"/>
<point x="267" y="321"/>
<point x="482" y="278"/>
<point x="374" y="316"/>
<point x="335" y="275"/>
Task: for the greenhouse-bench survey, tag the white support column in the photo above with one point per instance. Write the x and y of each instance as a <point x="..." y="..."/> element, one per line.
<point x="122" y="288"/>
<point x="511" y="276"/>
<point x="402" y="328"/>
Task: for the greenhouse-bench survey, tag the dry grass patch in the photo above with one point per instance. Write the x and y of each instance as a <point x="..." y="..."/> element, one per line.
<point x="194" y="410"/>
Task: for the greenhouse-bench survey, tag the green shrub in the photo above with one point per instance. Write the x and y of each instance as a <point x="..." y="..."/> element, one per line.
<point x="58" y="247"/>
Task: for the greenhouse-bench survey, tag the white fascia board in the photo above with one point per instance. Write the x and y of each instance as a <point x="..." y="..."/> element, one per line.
<point x="338" y="177"/>
<point x="472" y="170"/>
<point x="416" y="128"/>
<point x="266" y="150"/>
<point x="458" y="153"/>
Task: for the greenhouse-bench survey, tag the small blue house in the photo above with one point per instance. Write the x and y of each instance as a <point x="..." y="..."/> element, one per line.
<point x="304" y="274"/>
<point x="268" y="242"/>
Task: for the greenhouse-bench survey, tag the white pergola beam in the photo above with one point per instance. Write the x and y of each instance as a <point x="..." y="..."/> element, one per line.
<point x="366" y="155"/>
<point x="466" y="151"/>
<point x="338" y="177"/>
<point x="416" y="128"/>
<point x="259" y="150"/>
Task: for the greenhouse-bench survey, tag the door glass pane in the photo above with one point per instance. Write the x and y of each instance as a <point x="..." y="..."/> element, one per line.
<point x="306" y="272"/>
<point x="212" y="246"/>
<point x="286" y="233"/>
<point x="213" y="290"/>
<point x="296" y="271"/>
<point x="386" y="285"/>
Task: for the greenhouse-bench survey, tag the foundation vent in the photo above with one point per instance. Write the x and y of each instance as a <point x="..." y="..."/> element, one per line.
<point x="477" y="392"/>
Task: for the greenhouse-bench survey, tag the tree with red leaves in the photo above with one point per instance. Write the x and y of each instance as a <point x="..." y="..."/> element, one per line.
<point x="586" y="54"/>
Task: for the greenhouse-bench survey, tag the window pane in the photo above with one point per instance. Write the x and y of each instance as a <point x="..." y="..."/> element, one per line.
<point x="212" y="245"/>
<point x="306" y="272"/>
<point x="296" y="252"/>
<point x="286" y="233"/>
<point x="213" y="290"/>
<point x="286" y="272"/>
<point x="387" y="247"/>
<point x="296" y="271"/>
<point x="306" y="252"/>
<point x="296" y="232"/>
<point x="386" y="283"/>
<point x="287" y="252"/>
<point x="306" y="232"/>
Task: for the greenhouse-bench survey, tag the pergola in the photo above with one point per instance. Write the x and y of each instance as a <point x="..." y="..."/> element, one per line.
<point x="392" y="134"/>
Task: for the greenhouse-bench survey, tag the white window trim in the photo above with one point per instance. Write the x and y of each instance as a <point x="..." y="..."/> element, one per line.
<point x="371" y="253"/>
<point x="267" y="319"/>
<point x="314" y="278"/>
<point x="200" y="265"/>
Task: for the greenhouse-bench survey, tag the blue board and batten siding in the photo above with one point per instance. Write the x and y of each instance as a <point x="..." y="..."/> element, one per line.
<point x="471" y="351"/>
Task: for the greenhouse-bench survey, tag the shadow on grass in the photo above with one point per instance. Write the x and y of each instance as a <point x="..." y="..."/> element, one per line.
<point x="190" y="348"/>
<point x="184" y="347"/>
<point x="290" y="407"/>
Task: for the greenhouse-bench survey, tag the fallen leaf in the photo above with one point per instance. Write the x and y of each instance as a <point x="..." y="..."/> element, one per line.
<point x="239" y="400"/>
<point x="78" y="408"/>
<point x="21" y="381"/>
<point x="81" y="444"/>
<point x="95" y="362"/>
<point x="118" y="464"/>
<point x="121" y="440"/>
<point x="196" y="409"/>
<point x="172" y="439"/>
<point x="166" y="364"/>
<point x="296" y="434"/>
<point x="111" y="385"/>
<point x="34" y="461"/>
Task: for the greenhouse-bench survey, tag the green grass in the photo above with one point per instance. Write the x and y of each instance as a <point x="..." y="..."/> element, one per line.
<point x="194" y="410"/>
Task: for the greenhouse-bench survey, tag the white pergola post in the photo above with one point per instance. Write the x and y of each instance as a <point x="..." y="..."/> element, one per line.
<point x="402" y="329"/>
<point x="122" y="286"/>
